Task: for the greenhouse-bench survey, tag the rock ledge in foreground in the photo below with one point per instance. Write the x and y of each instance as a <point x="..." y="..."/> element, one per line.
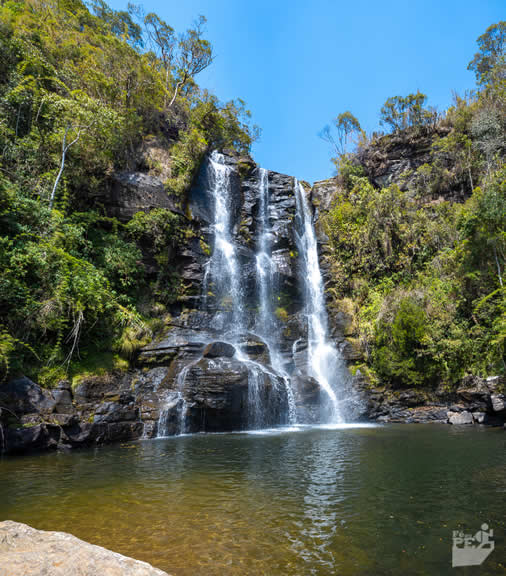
<point x="24" y="550"/>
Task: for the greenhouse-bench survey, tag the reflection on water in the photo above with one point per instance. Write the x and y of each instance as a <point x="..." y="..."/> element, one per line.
<point x="351" y="500"/>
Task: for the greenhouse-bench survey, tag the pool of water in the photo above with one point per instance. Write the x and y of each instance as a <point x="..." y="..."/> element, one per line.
<point x="372" y="500"/>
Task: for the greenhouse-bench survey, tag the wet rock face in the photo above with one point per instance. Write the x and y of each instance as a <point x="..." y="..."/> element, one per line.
<point x="218" y="396"/>
<point x="192" y="369"/>
<point x="216" y="393"/>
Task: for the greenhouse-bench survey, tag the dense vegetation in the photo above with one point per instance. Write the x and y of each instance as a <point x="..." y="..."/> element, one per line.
<point x="85" y="89"/>
<point x="82" y="88"/>
<point x="421" y="275"/>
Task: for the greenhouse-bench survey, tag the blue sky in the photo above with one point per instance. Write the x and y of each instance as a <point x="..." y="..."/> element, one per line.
<point x="299" y="63"/>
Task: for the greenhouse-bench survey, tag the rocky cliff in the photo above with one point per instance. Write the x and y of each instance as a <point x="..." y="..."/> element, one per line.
<point x="190" y="369"/>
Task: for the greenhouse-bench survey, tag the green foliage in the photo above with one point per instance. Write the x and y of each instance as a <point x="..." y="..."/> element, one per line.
<point x="399" y="345"/>
<point x="81" y="89"/>
<point x="281" y="314"/>
<point x="7" y="347"/>
<point x="157" y="227"/>
<point x="384" y="232"/>
<point x="490" y="62"/>
<point x="425" y="275"/>
<point x="400" y="113"/>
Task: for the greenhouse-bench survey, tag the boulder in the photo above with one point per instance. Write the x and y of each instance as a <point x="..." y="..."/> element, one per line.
<point x="498" y="402"/>
<point x="217" y="395"/>
<point x="219" y="350"/>
<point x="115" y="412"/>
<point x="426" y="414"/>
<point x="493" y="382"/>
<point x="24" y="550"/>
<point x="459" y="418"/>
<point x="26" y="439"/>
<point x="480" y="417"/>
<point x="23" y="396"/>
<point x="62" y="396"/>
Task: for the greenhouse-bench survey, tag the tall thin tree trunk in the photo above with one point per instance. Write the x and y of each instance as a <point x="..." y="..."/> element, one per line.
<point x="497" y="263"/>
<point x="178" y="85"/>
<point x="469" y="170"/>
<point x="62" y="165"/>
<point x="64" y="150"/>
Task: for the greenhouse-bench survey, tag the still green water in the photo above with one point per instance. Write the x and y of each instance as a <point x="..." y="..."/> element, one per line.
<point x="360" y="501"/>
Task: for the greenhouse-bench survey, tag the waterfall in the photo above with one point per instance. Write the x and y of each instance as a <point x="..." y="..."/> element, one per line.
<point x="324" y="361"/>
<point x="265" y="276"/>
<point x="224" y="265"/>
<point x="235" y="278"/>
<point x="267" y="325"/>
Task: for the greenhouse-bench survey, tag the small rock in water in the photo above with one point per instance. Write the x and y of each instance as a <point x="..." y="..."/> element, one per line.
<point x="460" y="417"/>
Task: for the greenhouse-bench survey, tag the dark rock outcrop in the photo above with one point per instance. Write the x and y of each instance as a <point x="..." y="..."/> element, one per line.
<point x="131" y="192"/>
<point x="101" y="409"/>
<point x="473" y="402"/>
<point x="394" y="159"/>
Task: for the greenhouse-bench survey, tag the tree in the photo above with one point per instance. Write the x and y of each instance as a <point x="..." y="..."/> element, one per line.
<point x="163" y="40"/>
<point x="346" y="126"/>
<point x="188" y="57"/>
<point x="484" y="223"/>
<point x="120" y="22"/>
<point x="401" y="113"/>
<point x="490" y="61"/>
<point x="487" y="129"/>
<point x="195" y="55"/>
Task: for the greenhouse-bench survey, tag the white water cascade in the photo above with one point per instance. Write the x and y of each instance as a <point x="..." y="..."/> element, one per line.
<point x="225" y="272"/>
<point x="267" y="325"/>
<point x="324" y="361"/>
<point x="224" y="265"/>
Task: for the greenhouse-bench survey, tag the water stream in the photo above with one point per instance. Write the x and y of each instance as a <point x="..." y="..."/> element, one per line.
<point x="324" y="360"/>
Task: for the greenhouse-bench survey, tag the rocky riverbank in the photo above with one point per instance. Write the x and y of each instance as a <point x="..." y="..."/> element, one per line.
<point x="24" y="550"/>
<point x="476" y="401"/>
<point x="122" y="407"/>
